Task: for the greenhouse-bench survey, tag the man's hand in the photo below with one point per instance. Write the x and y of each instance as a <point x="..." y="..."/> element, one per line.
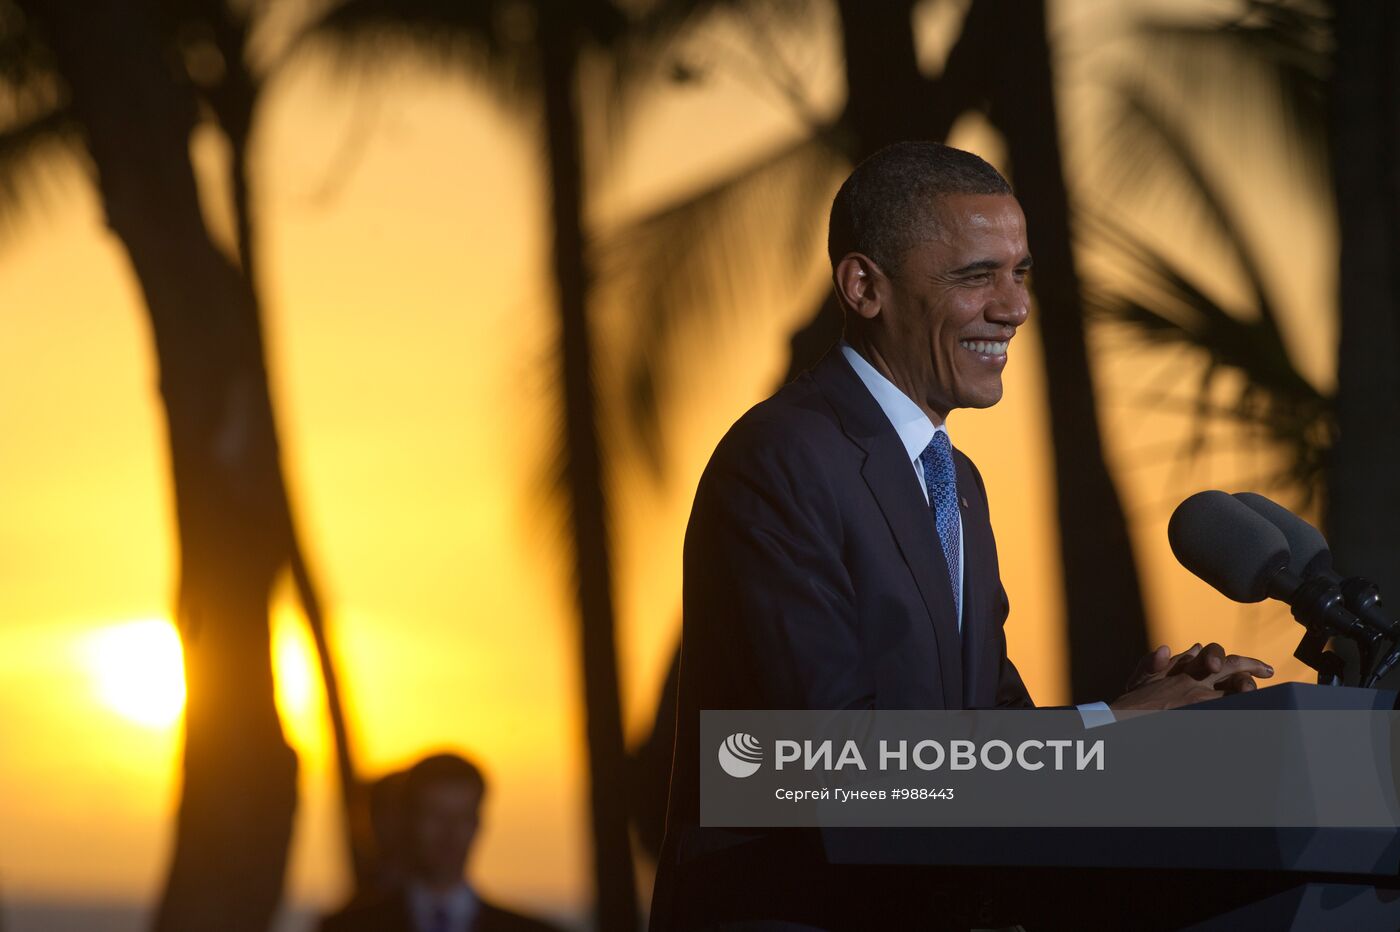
<point x="1164" y="681"/>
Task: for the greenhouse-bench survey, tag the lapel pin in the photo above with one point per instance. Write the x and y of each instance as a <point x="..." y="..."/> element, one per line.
<point x="963" y="500"/>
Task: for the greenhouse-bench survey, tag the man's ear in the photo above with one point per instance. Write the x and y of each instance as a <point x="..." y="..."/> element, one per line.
<point x="860" y="285"/>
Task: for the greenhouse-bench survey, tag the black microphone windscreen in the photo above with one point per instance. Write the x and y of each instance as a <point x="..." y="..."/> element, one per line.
<point x="1225" y="543"/>
<point x="1310" y="555"/>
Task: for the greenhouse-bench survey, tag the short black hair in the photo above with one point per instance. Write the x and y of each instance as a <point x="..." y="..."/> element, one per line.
<point x="883" y="208"/>
<point x="435" y="769"/>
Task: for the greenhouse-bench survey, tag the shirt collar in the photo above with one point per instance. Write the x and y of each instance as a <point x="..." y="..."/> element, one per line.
<point x="460" y="904"/>
<point x="910" y="422"/>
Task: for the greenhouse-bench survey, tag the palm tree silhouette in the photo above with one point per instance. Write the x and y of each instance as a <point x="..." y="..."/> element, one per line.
<point x="212" y="37"/>
<point x="1363" y="496"/>
<point x="531" y="51"/>
<point x="233" y="516"/>
<point x="1330" y="67"/>
<point x="676" y="263"/>
<point x="999" y="65"/>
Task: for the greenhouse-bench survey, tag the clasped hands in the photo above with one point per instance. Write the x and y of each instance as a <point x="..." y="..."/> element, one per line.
<point x="1165" y="681"/>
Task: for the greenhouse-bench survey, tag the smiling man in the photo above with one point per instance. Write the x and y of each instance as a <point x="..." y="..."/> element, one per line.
<point x="840" y="554"/>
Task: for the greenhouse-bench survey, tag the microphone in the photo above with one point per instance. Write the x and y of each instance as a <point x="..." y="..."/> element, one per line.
<point x="1312" y="557"/>
<point x="1224" y="542"/>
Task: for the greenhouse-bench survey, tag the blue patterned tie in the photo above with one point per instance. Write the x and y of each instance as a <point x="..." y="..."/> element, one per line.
<point x="942" y="482"/>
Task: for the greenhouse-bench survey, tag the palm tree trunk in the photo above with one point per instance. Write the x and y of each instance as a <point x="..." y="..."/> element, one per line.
<point x="1103" y="598"/>
<point x="613" y="868"/>
<point x="1363" y="510"/>
<point x="888" y="99"/>
<point x="234" y="100"/>
<point x="239" y="791"/>
<point x="234" y="104"/>
<point x="884" y="87"/>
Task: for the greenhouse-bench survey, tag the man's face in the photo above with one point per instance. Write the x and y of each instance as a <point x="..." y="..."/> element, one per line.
<point x="955" y="303"/>
<point x="441" y="827"/>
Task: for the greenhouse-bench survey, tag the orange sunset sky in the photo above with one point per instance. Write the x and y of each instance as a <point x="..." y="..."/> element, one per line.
<point x="410" y="330"/>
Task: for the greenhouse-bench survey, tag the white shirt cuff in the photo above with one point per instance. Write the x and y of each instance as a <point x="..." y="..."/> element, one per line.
<point x="1095" y="714"/>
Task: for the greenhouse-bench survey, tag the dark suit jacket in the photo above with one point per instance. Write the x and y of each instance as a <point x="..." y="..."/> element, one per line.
<point x="390" y="913"/>
<point x="814" y="579"/>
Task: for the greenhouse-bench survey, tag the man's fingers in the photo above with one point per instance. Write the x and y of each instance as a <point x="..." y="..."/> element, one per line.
<point x="1209" y="672"/>
<point x="1185" y="660"/>
<point x="1154" y="663"/>
<point x="1206" y="662"/>
<point x="1211" y="658"/>
<point x="1234" y="663"/>
<point x="1149" y="666"/>
<point x="1236" y="683"/>
<point x="1178" y="661"/>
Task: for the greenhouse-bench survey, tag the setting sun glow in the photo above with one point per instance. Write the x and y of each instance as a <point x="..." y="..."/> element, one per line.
<point x="138" y="671"/>
<point x="403" y="248"/>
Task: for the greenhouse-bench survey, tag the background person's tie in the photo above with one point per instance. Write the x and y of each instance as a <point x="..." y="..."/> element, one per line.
<point x="942" y="482"/>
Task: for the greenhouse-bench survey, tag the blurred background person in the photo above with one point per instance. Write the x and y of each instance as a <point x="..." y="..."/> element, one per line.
<point x="425" y="823"/>
<point x="294" y="221"/>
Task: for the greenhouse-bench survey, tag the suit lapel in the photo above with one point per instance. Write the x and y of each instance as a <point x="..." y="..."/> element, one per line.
<point x="891" y="479"/>
<point x="976" y="537"/>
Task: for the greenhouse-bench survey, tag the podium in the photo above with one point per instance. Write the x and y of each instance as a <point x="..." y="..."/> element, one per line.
<point x="1198" y="879"/>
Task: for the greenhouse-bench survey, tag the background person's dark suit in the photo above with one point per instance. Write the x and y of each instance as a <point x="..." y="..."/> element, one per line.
<point x="814" y="579"/>
<point x="390" y="912"/>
